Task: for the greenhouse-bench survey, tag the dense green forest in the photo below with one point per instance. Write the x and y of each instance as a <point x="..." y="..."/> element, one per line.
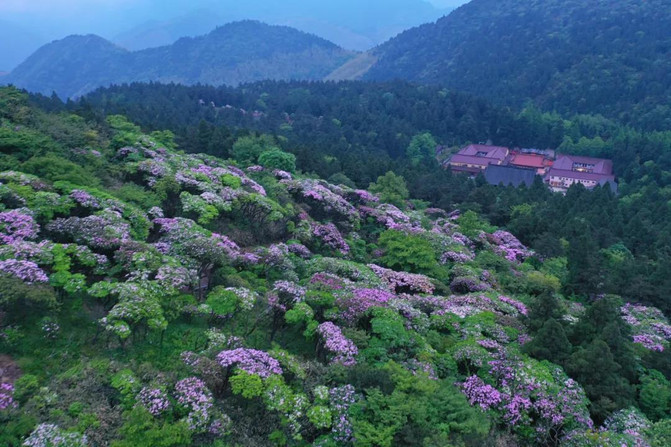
<point x="353" y="132"/>
<point x="572" y="56"/>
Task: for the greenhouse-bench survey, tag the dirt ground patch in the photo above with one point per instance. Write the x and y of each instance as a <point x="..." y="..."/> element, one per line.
<point x="9" y="370"/>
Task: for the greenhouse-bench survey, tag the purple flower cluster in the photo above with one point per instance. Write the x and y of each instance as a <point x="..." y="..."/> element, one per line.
<point x="154" y="168"/>
<point x="300" y="250"/>
<point x="344" y="349"/>
<point x="28" y="251"/>
<point x="392" y="218"/>
<point x="467" y="284"/>
<point x="282" y="175"/>
<point x="362" y="300"/>
<point x="509" y="246"/>
<point x="7" y="396"/>
<point x="415" y="366"/>
<point x="331" y="237"/>
<point x="105" y="230"/>
<point x="480" y="393"/>
<point x="192" y="394"/>
<point x="84" y="199"/>
<point x="520" y="307"/>
<point x="651" y="342"/>
<point x="175" y="276"/>
<point x="650" y="327"/>
<point x="16" y="226"/>
<point x="154" y="400"/>
<point x="342" y="398"/>
<point x="328" y="282"/>
<point x="456" y="257"/>
<point x="51" y="435"/>
<point x="231" y="248"/>
<point x="523" y="397"/>
<point x="255" y="168"/>
<point x="365" y="196"/>
<point x="26" y="271"/>
<point x="630" y="422"/>
<point x="285" y="294"/>
<point x="403" y="281"/>
<point x="251" y="361"/>
<point x="319" y="193"/>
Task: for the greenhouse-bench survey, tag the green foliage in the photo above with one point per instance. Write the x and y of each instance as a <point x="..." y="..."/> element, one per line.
<point x="247" y="385"/>
<point x="246" y="150"/>
<point x="422" y="147"/>
<point x="418" y="410"/>
<point x="391" y="188"/>
<point x="126" y="133"/>
<point x="142" y="430"/>
<point x="25" y="386"/>
<point x="538" y="283"/>
<point x="127" y="385"/>
<point x="165" y="138"/>
<point x="277" y="159"/>
<point x="137" y="195"/>
<point x="660" y="433"/>
<point x="550" y="343"/>
<point x="655" y="395"/>
<point x="17" y="295"/>
<point x="222" y="302"/>
<point x="320" y="416"/>
<point x="408" y="253"/>
<point x="377" y="423"/>
<point x="471" y="224"/>
<point x="595" y="368"/>
<point x="564" y="51"/>
<point x="54" y="168"/>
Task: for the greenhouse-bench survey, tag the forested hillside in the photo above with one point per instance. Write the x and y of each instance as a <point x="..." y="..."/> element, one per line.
<point x="572" y="56"/>
<point x="352" y="133"/>
<point x="155" y="297"/>
<point x="232" y="54"/>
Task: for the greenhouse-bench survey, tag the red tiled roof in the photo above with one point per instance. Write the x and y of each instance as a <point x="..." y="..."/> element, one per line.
<point x="531" y="161"/>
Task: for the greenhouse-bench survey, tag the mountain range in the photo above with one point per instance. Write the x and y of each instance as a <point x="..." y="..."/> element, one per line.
<point x="570" y="56"/>
<point x="232" y="54"/>
<point x="142" y="24"/>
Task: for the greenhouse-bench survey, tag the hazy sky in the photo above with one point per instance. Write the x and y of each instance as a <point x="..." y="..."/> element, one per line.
<point x="62" y="6"/>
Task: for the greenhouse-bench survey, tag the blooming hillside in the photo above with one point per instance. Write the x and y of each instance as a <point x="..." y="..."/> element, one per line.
<point x="151" y="297"/>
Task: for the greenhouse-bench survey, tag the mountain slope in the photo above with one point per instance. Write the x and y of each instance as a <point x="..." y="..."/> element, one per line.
<point x="152" y="294"/>
<point x="591" y="56"/>
<point x="235" y="53"/>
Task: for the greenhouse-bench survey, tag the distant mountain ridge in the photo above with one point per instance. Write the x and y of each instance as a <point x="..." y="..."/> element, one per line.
<point x="351" y="24"/>
<point x="574" y="56"/>
<point x="140" y="24"/>
<point x="235" y="53"/>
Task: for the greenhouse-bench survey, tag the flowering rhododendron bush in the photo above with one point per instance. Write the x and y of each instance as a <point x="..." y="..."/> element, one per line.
<point x="164" y="298"/>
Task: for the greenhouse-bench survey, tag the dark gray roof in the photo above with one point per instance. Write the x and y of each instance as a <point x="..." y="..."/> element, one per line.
<point x="509" y="175"/>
